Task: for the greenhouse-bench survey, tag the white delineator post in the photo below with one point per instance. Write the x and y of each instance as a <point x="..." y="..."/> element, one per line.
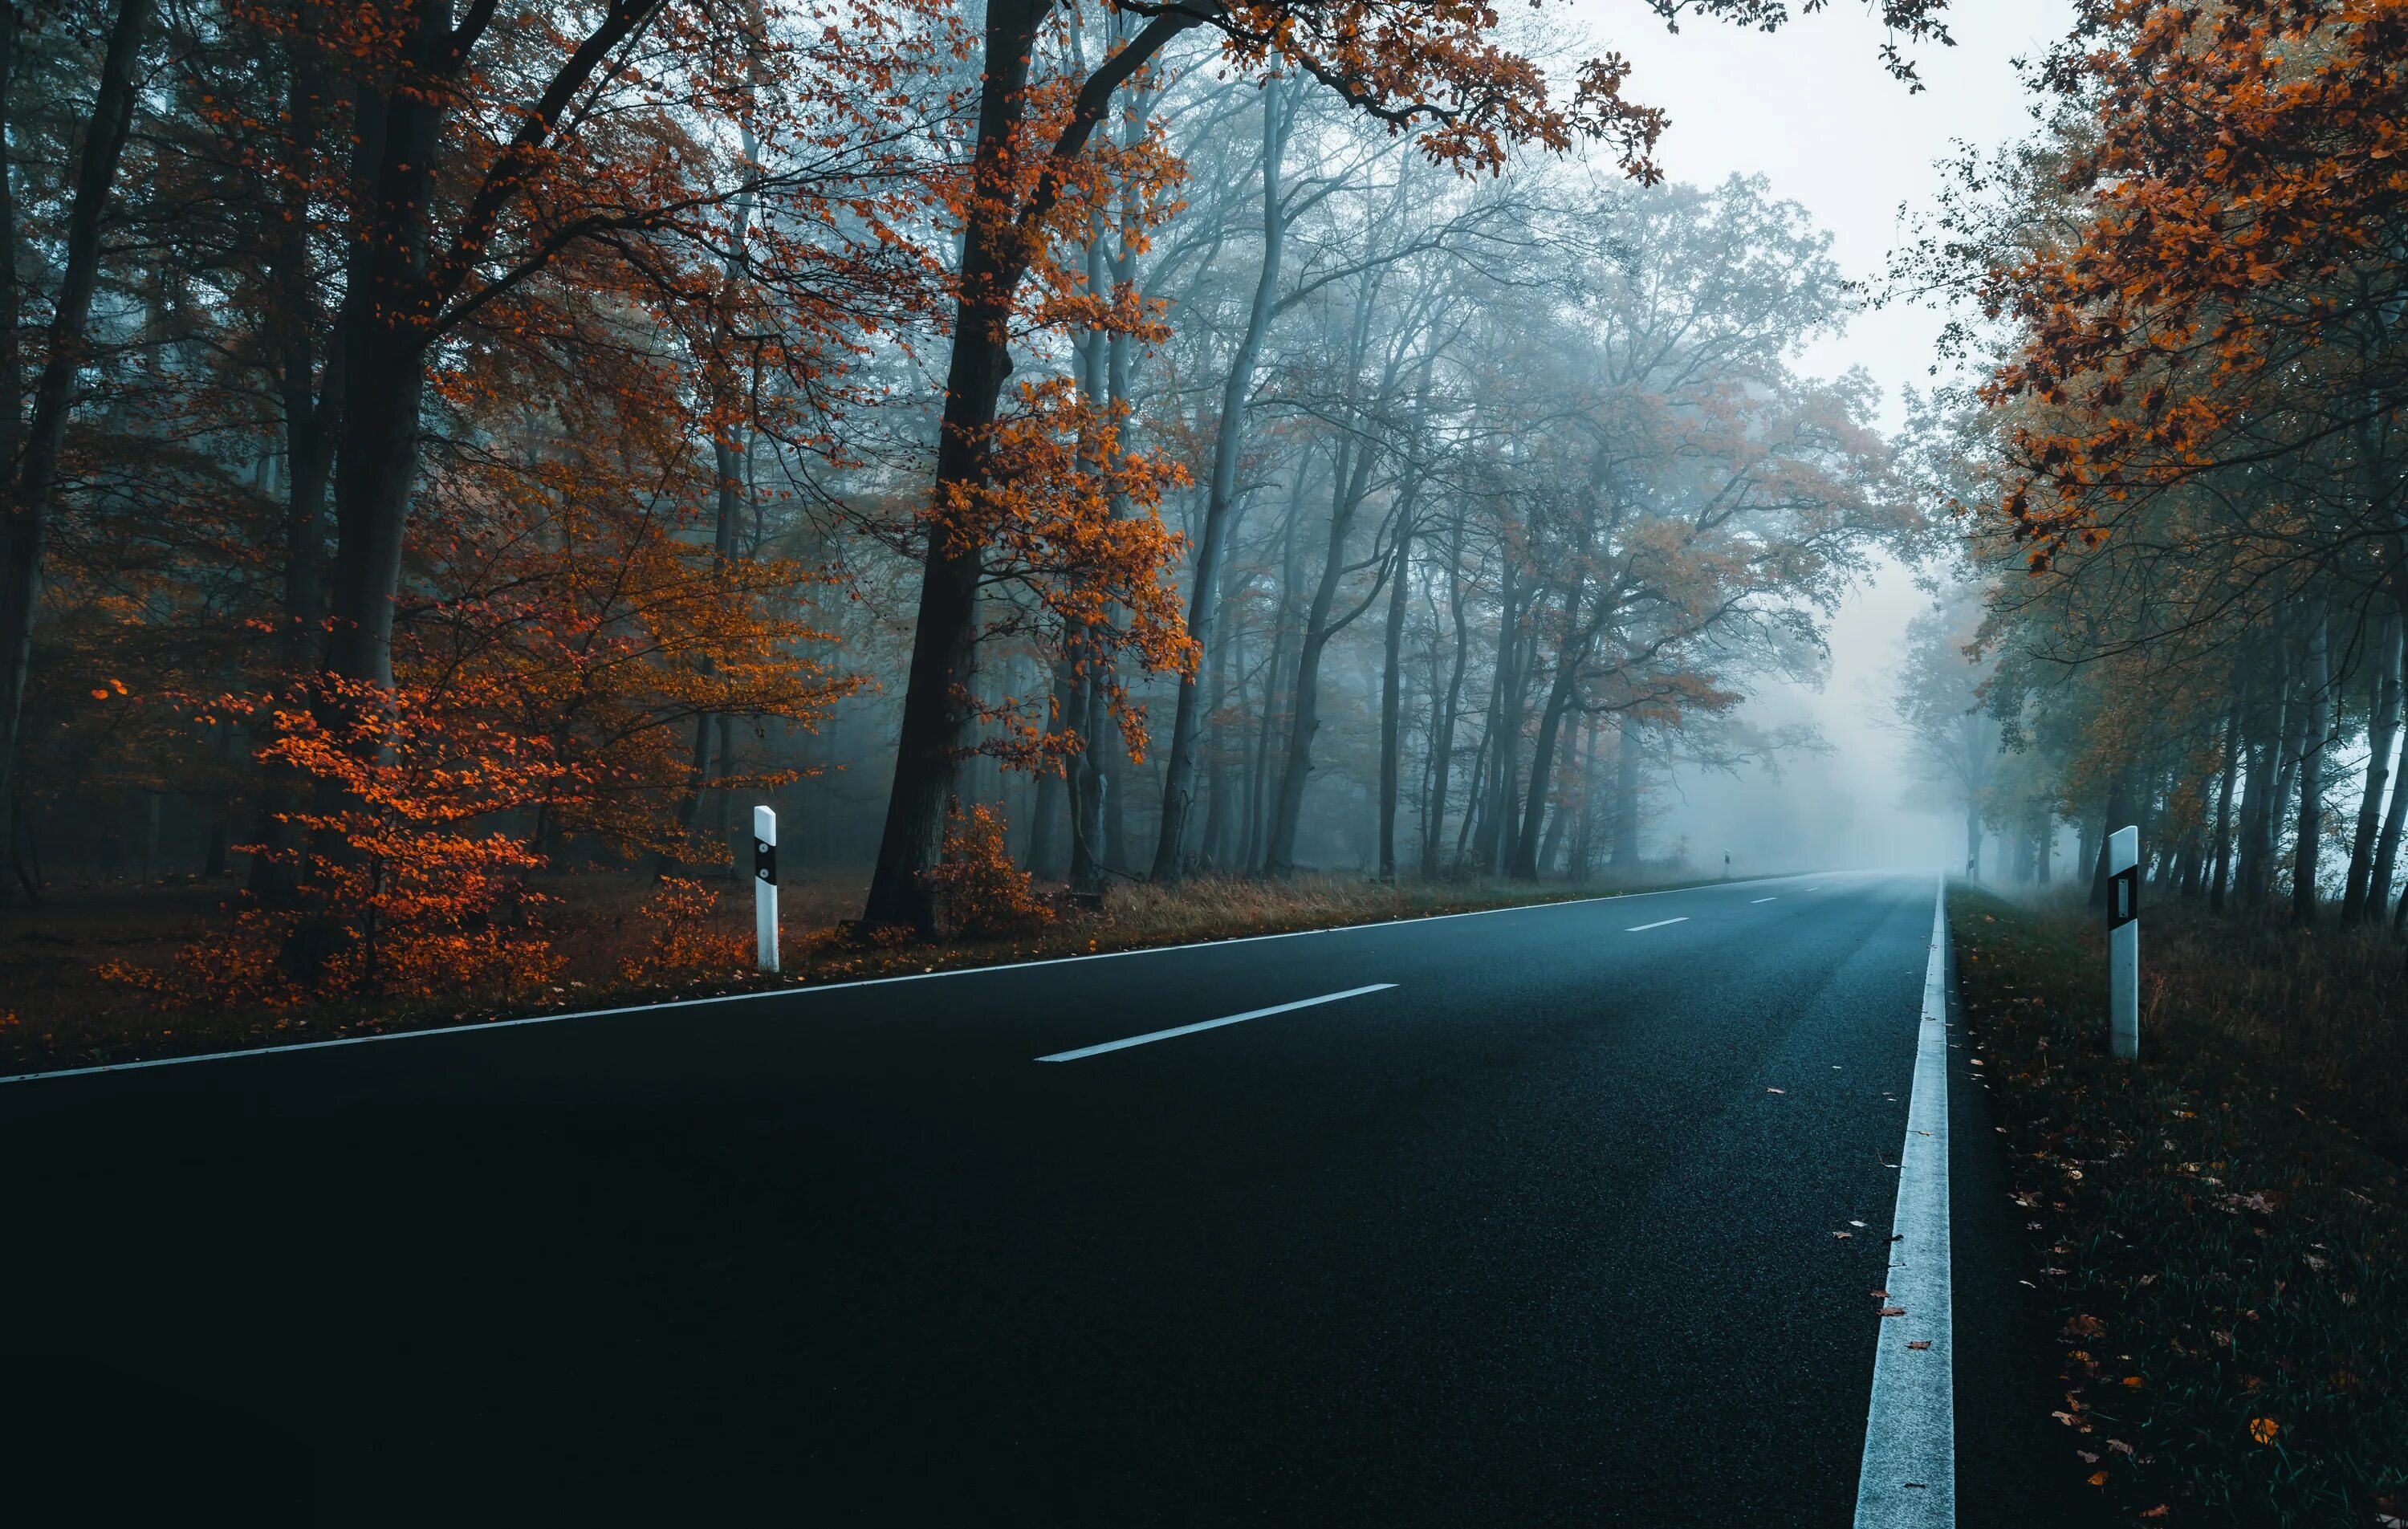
<point x="2124" y="943"/>
<point x="764" y="885"/>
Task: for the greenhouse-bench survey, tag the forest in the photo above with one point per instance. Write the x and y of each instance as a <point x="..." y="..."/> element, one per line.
<point x="607" y="540"/>
<point x="462" y="460"/>
<point x="2181" y="587"/>
<point x="1061" y="448"/>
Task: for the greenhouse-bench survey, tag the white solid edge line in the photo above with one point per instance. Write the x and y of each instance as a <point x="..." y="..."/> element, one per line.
<point x="1642" y="928"/>
<point x="1908" y="1480"/>
<point x="1152" y="1036"/>
<point x="872" y="981"/>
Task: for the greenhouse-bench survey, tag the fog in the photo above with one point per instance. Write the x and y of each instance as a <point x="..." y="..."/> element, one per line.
<point x="1457" y="480"/>
<point x="1812" y="111"/>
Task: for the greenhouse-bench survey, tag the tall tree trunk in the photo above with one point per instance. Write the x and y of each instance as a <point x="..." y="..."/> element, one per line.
<point x="2259" y="805"/>
<point x="2117" y="811"/>
<point x="1585" y="831"/>
<point x="382" y="336"/>
<point x="1228" y="438"/>
<point x="2387" y="849"/>
<point x="724" y="826"/>
<point x="2363" y="900"/>
<point x="1088" y="783"/>
<point x="1349" y="481"/>
<point x="1392" y="702"/>
<point x="1524" y="864"/>
<point x="1562" y="815"/>
<point x="311" y="408"/>
<point x="2304" y="890"/>
<point x="1220" y="816"/>
<point x="2219" y="877"/>
<point x="25" y="515"/>
<point x="1626" y="798"/>
<point x="1496" y="798"/>
<point x="1475" y="789"/>
<point x="1442" y="736"/>
<point x="936" y="715"/>
<point x="1046" y="857"/>
<point x="1118" y="770"/>
<point x="1091" y="783"/>
<point x="2287" y="780"/>
<point x="1508" y="778"/>
<point x="1259" y="787"/>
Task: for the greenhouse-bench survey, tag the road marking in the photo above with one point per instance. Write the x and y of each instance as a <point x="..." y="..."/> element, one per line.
<point x="1908" y="1480"/>
<point x="1152" y="1036"/>
<point x="1642" y="928"/>
<point x="1753" y="901"/>
<point x="802" y="990"/>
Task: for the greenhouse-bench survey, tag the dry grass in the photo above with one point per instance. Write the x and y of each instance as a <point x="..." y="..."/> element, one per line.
<point x="2330" y="1010"/>
<point x="2223" y="1227"/>
<point x="58" y="1012"/>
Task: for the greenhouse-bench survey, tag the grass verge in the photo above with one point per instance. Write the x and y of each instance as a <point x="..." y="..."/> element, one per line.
<point x="2221" y="1227"/>
<point x="57" y="1012"/>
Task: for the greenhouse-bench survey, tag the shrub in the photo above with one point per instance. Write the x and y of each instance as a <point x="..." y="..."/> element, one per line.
<point x="979" y="892"/>
<point x="684" y="935"/>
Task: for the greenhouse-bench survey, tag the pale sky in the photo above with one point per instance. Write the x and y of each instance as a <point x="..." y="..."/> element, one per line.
<point x="1811" y="108"/>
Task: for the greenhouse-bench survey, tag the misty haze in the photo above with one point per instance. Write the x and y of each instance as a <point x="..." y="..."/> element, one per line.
<point x="1205" y="761"/>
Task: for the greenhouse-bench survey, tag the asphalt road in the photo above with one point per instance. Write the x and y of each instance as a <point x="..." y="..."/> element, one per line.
<point x="1541" y="1231"/>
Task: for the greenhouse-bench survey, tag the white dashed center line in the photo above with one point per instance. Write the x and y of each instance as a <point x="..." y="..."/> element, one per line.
<point x="1212" y="1024"/>
<point x="1642" y="928"/>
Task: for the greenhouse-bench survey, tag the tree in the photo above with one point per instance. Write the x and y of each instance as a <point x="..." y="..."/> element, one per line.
<point x="1953" y="744"/>
<point x="33" y="457"/>
<point x="1394" y="60"/>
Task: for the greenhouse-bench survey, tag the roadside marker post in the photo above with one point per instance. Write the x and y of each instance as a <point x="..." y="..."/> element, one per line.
<point x="2124" y="943"/>
<point x="764" y="885"/>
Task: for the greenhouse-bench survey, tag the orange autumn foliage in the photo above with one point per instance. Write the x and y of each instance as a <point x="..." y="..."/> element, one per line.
<point x="685" y="935"/>
<point x="2241" y="175"/>
<point x="416" y="883"/>
<point x="979" y="889"/>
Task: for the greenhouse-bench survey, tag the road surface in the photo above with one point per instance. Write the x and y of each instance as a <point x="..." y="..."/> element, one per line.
<point x="1537" y="1217"/>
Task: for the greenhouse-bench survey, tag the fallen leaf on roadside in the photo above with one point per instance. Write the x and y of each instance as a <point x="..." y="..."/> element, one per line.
<point x="1919" y="1343"/>
<point x="1893" y="1312"/>
<point x="2098" y="1478"/>
<point x="2157" y="1512"/>
<point x="1842" y="1235"/>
